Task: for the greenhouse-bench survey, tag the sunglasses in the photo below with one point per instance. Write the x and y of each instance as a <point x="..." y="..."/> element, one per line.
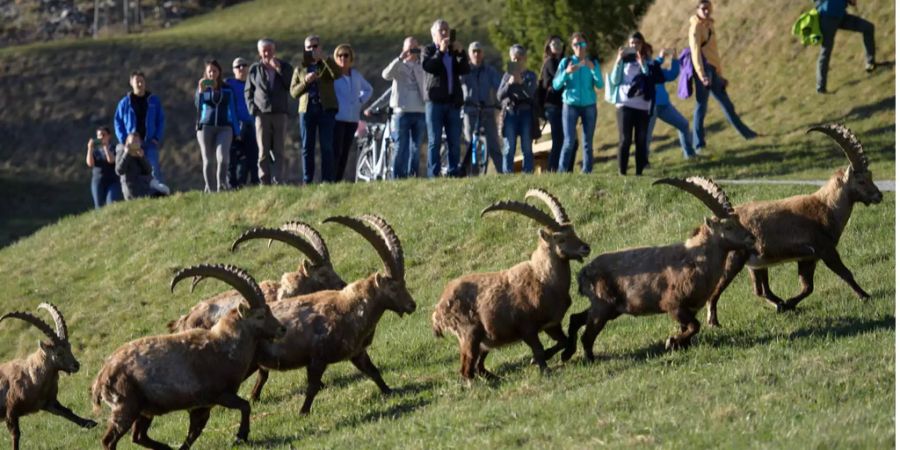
<point x="241" y="66"/>
<point x="581" y="44"/>
<point x="477" y="50"/>
<point x="343" y="55"/>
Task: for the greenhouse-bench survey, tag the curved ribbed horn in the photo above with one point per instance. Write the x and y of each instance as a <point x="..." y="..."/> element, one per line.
<point x="61" y="329"/>
<point x="34" y="320"/>
<point x="848" y="142"/>
<point x="706" y="190"/>
<point x="280" y="235"/>
<point x="374" y="237"/>
<point x="311" y="235"/>
<point x="555" y="206"/>
<point x="239" y="279"/>
<point x="391" y="239"/>
<point x="526" y="210"/>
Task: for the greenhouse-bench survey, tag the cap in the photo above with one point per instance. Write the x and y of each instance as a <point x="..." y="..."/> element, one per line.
<point x="238" y="61"/>
<point x="475" y="45"/>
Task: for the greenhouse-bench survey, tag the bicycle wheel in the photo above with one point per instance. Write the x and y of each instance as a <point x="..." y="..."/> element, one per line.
<point x="365" y="162"/>
<point x="445" y="157"/>
<point x="387" y="170"/>
<point x="481" y="151"/>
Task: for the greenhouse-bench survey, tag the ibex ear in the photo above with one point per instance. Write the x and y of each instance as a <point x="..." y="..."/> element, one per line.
<point x="43" y="346"/>
<point x="379" y="279"/>
<point x="847" y="174"/>
<point x="545" y="235"/>
<point x="305" y="266"/>
<point x="243" y="308"/>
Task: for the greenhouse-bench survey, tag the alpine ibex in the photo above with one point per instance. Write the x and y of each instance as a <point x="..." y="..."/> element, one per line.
<point x="313" y="274"/>
<point x="31" y="384"/>
<point x="332" y="326"/>
<point x="192" y="370"/>
<point x="489" y="310"/>
<point x="675" y="279"/>
<point x="803" y="228"/>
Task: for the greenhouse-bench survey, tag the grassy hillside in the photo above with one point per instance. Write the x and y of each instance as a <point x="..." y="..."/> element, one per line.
<point x="822" y="376"/>
<point x="61" y="90"/>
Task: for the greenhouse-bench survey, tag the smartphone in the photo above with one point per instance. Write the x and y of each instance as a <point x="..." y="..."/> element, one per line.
<point x="207" y="83"/>
<point x="453" y="35"/>
<point x="98" y="142"/>
<point x="629" y="51"/>
<point x="513" y="68"/>
<point x="307" y="57"/>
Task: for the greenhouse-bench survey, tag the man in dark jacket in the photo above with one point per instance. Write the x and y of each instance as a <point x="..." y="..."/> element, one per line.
<point x="444" y="62"/>
<point x="833" y="17"/>
<point x="266" y="93"/>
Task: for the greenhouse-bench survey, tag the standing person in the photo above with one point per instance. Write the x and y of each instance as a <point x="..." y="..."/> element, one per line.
<point x="351" y="90"/>
<point x="242" y="162"/>
<point x="141" y="112"/>
<point x="833" y="17"/>
<point x="101" y="158"/>
<point x="313" y="84"/>
<point x="480" y="89"/>
<point x="708" y="75"/>
<point x="407" y="99"/>
<point x="517" y="89"/>
<point x="577" y="76"/>
<point x="217" y="124"/>
<point x="444" y="62"/>
<point x="665" y="111"/>
<point x="266" y="94"/>
<point x="630" y="80"/>
<point x="551" y="98"/>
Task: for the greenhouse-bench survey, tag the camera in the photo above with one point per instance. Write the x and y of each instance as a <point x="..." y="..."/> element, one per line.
<point x="629" y="51"/>
<point x="415" y="51"/>
<point x="207" y="83"/>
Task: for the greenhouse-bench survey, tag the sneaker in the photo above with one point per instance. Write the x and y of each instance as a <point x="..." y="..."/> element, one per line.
<point x="821" y="90"/>
<point x="870" y="67"/>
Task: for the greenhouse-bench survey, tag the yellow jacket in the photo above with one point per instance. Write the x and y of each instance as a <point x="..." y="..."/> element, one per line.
<point x="703" y="39"/>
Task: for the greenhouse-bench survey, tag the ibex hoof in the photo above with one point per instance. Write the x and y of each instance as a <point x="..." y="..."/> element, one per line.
<point x="241" y="440"/>
<point x="89" y="424"/>
<point x="713" y="323"/>
<point x="672" y="344"/>
<point x="567" y="354"/>
<point x="785" y="307"/>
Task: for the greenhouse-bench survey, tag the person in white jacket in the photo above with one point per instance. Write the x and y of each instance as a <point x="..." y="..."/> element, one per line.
<point x="408" y="104"/>
<point x="351" y="90"/>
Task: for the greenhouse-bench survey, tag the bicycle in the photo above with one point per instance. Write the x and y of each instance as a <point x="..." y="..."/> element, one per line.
<point x="375" y="150"/>
<point x="478" y="152"/>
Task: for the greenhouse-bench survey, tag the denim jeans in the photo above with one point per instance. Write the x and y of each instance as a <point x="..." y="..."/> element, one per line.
<point x="553" y="114"/>
<point x="317" y="119"/>
<point x="829" y="27"/>
<point x="410" y="130"/>
<point x="105" y="190"/>
<point x="717" y="89"/>
<point x="242" y="165"/>
<point x="151" y="152"/>
<point x="443" y="116"/>
<point x="517" y="124"/>
<point x="570" y="115"/>
<point x="671" y="116"/>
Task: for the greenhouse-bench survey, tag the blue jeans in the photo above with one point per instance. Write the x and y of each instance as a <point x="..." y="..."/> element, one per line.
<point x="553" y="114"/>
<point x="671" y="116"/>
<point x="517" y="124"/>
<point x="717" y="89"/>
<point x="316" y="119"/>
<point x="151" y="152"/>
<point x="443" y="116"/>
<point x="570" y="115"/>
<point x="105" y="190"/>
<point x="410" y="129"/>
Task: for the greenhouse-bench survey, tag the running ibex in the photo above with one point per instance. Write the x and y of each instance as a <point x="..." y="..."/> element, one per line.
<point x="31" y="384"/>
<point x="803" y="228"/>
<point x="489" y="310"/>
<point x="192" y="370"/>
<point x="676" y="279"/>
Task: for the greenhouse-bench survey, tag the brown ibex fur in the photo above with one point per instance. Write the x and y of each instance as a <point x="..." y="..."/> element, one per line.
<point x="488" y="310"/>
<point x="332" y="326"/>
<point x="312" y="275"/>
<point x="192" y="370"/>
<point x="675" y="279"/>
<point x="31" y="384"/>
<point x="803" y="228"/>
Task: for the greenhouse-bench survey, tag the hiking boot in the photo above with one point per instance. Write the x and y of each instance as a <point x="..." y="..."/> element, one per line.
<point x="870" y="67"/>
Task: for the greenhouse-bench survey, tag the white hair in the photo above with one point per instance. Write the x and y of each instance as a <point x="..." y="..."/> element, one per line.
<point x="310" y="38"/>
<point x="436" y="26"/>
<point x="517" y="50"/>
<point x="264" y="42"/>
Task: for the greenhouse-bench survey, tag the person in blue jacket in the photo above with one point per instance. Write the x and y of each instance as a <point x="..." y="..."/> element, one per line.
<point x="577" y="77"/>
<point x="217" y="124"/>
<point x="141" y="112"/>
<point x="833" y="17"/>
<point x="665" y="111"/>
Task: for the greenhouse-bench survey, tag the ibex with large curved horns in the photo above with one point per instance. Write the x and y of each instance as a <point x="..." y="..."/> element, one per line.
<point x="332" y="326"/>
<point x="489" y="310"/>
<point x="803" y="228"/>
<point x="31" y="384"/>
<point x="313" y="274"/>
<point x="676" y="279"/>
<point x="192" y="370"/>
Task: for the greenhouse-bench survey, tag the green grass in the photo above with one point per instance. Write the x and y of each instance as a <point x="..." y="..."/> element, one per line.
<point x="820" y="377"/>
